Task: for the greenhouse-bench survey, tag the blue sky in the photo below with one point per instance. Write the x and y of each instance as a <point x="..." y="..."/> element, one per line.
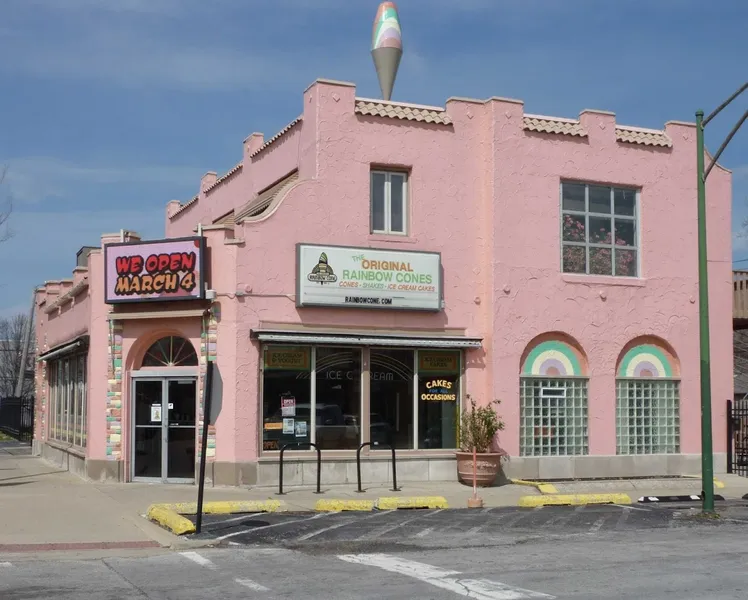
<point x="111" y="108"/>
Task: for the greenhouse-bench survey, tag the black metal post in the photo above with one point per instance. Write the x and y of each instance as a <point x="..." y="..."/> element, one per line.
<point x="358" y="465"/>
<point x="730" y="435"/>
<point x="394" y="464"/>
<point x="394" y="471"/>
<point x="319" y="465"/>
<point x="207" y="401"/>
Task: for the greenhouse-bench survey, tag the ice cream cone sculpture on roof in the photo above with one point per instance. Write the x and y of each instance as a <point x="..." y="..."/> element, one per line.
<point x="387" y="46"/>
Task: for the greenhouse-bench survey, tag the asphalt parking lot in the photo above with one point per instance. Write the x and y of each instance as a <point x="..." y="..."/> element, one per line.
<point x="455" y="527"/>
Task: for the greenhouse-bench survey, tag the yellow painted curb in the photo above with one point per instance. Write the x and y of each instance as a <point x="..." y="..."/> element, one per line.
<point x="341" y="505"/>
<point x="169" y="516"/>
<point x="227" y="507"/>
<point x="394" y="502"/>
<point x="543" y="488"/>
<point x="717" y="482"/>
<point x="170" y="519"/>
<point x="572" y="500"/>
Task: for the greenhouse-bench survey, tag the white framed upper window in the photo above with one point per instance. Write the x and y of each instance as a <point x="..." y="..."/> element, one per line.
<point x="389" y="202"/>
<point x="599" y="230"/>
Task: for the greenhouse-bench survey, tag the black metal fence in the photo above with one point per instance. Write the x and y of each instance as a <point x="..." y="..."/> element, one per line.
<point x="17" y="418"/>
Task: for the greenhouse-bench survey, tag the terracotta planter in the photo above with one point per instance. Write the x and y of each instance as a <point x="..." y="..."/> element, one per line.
<point x="488" y="466"/>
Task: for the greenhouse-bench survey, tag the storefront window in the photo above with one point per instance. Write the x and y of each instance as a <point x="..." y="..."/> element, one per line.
<point x="287" y="396"/>
<point x="391" y="398"/>
<point x="413" y="400"/>
<point x="68" y="399"/>
<point x="438" y="399"/>
<point x="338" y="395"/>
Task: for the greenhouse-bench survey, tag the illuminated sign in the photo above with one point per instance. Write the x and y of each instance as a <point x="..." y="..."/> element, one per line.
<point x="154" y="271"/>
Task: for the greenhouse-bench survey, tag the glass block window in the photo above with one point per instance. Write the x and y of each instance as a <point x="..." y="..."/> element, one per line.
<point x="553" y="418"/>
<point x="647" y="416"/>
<point x="599" y="230"/>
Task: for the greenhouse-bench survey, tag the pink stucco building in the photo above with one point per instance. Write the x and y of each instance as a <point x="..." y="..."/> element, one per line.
<point x="356" y="276"/>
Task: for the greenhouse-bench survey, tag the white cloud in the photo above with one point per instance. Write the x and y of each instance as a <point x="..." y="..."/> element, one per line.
<point x="33" y="179"/>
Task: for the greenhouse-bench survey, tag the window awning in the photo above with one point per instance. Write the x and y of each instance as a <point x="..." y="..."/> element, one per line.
<point x="411" y="341"/>
<point x="79" y="343"/>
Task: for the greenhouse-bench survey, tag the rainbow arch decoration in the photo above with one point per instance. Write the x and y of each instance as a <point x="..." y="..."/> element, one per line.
<point x="554" y="358"/>
<point x="646" y="360"/>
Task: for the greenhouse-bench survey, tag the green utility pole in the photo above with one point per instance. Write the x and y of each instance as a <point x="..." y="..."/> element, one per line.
<point x="707" y="456"/>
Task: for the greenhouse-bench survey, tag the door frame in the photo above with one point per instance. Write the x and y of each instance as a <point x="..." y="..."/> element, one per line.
<point x="164" y="376"/>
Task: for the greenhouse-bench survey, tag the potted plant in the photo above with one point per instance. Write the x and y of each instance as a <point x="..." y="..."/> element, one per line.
<point x="478" y="428"/>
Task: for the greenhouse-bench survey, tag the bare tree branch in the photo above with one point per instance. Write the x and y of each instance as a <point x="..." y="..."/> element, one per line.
<point x="11" y="351"/>
<point x="6" y="208"/>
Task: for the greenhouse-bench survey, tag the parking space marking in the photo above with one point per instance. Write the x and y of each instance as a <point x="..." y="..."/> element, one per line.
<point x="424" y="533"/>
<point x="252" y="585"/>
<point x="5" y="564"/>
<point x="595" y="527"/>
<point x="200" y="560"/>
<point x="230" y="535"/>
<point x="380" y="532"/>
<point x="352" y="521"/>
<point x="624" y="517"/>
<point x="478" y="589"/>
<point x="632" y="507"/>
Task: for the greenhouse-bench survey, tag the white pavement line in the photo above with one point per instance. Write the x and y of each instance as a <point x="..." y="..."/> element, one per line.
<point x="247" y="532"/>
<point x="252" y="585"/>
<point x="424" y="533"/>
<point x="595" y="527"/>
<point x="200" y="560"/>
<point x="624" y="517"/>
<point x="5" y="564"/>
<point x="488" y="510"/>
<point x="478" y="589"/>
<point x="239" y="518"/>
<point x="309" y="536"/>
<point x="377" y="533"/>
<point x="632" y="507"/>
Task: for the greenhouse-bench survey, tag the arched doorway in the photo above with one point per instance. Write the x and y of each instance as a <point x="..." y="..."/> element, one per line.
<point x="164" y="412"/>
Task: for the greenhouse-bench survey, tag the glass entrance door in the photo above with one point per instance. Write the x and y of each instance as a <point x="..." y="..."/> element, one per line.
<point x="164" y="429"/>
<point x="180" y="434"/>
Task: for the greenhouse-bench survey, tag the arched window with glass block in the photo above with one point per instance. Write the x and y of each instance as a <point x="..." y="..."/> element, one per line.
<point x="647" y="399"/>
<point x="553" y="398"/>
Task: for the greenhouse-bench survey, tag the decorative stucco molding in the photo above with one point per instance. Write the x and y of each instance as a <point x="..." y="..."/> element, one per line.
<point x="640" y="135"/>
<point x="406" y="112"/>
<point x="557" y="125"/>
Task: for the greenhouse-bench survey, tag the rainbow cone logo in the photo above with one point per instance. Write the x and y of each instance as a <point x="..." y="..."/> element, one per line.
<point x="387" y="46"/>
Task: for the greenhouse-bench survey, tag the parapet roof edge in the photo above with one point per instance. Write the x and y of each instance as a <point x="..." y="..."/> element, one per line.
<point x="597" y="111"/>
<point x="329" y="82"/>
<point x="394" y="103"/>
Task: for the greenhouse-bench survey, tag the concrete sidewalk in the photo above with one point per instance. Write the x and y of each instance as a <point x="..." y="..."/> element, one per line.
<point x="45" y="508"/>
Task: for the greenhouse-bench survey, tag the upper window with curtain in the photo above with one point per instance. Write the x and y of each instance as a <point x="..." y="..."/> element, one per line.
<point x="389" y="202"/>
<point x="599" y="230"/>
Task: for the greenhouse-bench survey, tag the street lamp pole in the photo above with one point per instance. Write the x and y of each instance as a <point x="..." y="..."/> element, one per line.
<point x="707" y="456"/>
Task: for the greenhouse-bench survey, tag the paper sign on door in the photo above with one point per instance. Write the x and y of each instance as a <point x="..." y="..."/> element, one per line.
<point x="288" y="406"/>
<point x="155" y="413"/>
